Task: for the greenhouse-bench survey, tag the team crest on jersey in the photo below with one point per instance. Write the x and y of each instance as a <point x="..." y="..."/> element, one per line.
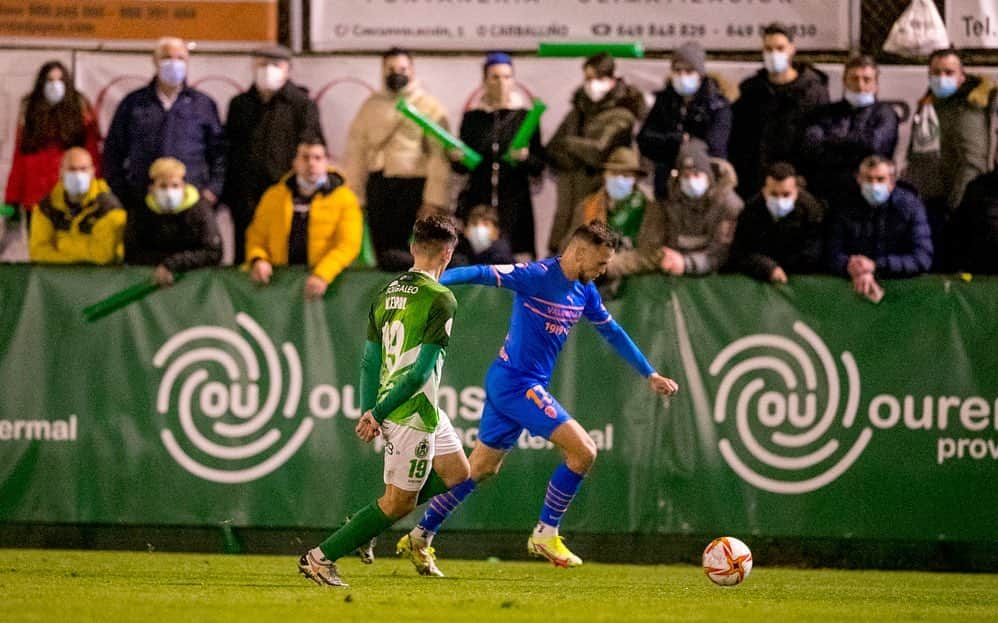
<point x="422" y="449"/>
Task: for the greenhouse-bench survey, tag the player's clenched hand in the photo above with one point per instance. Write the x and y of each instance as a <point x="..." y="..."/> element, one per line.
<point x="368" y="427"/>
<point x="662" y="385"/>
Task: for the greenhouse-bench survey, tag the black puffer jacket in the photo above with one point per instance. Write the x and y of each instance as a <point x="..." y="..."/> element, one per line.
<point x="707" y="116"/>
<point x="768" y="122"/>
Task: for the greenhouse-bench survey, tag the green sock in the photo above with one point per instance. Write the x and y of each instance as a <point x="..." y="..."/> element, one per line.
<point x="365" y="524"/>
<point x="434" y="486"/>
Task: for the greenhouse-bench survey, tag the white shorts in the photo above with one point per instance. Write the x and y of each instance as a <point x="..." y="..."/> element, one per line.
<point x="409" y="452"/>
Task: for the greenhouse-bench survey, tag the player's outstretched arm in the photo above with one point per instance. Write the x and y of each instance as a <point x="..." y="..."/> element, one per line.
<point x="522" y="278"/>
<point x="479" y="274"/>
<point x="629" y="351"/>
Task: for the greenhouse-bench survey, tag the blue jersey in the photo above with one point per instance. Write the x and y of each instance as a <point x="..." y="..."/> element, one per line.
<point x="546" y="307"/>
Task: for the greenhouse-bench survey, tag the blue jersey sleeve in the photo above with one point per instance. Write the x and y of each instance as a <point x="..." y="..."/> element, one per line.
<point x="522" y="278"/>
<point x="613" y="333"/>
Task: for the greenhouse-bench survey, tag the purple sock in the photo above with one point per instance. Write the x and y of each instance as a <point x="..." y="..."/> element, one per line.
<point x="441" y="506"/>
<point x="562" y="488"/>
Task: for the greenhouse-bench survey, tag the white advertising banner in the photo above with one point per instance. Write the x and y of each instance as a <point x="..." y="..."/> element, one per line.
<point x="972" y="23"/>
<point x="519" y="25"/>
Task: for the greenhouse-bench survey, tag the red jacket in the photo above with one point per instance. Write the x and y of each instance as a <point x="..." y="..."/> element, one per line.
<point x="34" y="175"/>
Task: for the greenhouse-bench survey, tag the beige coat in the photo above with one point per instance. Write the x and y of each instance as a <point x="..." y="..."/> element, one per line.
<point x="381" y="139"/>
<point x="701" y="229"/>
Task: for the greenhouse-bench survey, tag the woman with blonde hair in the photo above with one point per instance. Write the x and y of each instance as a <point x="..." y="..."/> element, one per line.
<point x="175" y="229"/>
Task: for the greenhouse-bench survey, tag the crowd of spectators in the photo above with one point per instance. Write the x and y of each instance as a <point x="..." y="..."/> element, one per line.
<point x="770" y="180"/>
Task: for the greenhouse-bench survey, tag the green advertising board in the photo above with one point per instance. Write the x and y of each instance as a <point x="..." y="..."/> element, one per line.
<point x="804" y="410"/>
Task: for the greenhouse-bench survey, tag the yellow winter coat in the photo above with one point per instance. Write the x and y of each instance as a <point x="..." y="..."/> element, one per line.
<point x="335" y="227"/>
<point x="94" y="235"/>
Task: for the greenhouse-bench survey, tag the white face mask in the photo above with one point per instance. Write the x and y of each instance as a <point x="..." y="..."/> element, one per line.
<point x="597" y="88"/>
<point x="694" y="187"/>
<point x="685" y="84"/>
<point x="479" y="237"/>
<point x="76" y="183"/>
<point x="169" y="199"/>
<point x="859" y="99"/>
<point x="270" y="78"/>
<point x="780" y="206"/>
<point x="54" y="91"/>
<point x="776" y="62"/>
<point x="172" y="71"/>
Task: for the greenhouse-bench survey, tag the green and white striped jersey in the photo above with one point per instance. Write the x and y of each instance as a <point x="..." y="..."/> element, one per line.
<point x="412" y="310"/>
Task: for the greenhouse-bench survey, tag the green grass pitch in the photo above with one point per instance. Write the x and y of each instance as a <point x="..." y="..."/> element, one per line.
<point x="82" y="586"/>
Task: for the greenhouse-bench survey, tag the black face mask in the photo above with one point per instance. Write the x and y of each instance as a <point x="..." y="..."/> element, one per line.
<point x="396" y="82"/>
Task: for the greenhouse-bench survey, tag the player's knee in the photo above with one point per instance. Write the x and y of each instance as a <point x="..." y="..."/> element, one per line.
<point x="397" y="507"/>
<point x="484" y="471"/>
<point x="580" y="459"/>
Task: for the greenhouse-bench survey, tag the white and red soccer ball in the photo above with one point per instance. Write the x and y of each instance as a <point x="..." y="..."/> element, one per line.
<point x="727" y="561"/>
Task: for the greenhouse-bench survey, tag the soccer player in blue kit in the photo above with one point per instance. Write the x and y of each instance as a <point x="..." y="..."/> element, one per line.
<point x="551" y="297"/>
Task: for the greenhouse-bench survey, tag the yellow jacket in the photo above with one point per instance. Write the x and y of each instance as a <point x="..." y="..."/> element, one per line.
<point x="335" y="227"/>
<point x="94" y="235"/>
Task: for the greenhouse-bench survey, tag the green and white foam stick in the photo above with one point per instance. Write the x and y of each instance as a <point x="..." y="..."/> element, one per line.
<point x="618" y="50"/>
<point x="470" y="158"/>
<point x="526" y="130"/>
<point x="6" y="211"/>
<point x="122" y="298"/>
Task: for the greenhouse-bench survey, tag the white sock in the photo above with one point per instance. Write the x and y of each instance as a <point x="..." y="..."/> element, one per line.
<point x="422" y="538"/>
<point x="543" y="530"/>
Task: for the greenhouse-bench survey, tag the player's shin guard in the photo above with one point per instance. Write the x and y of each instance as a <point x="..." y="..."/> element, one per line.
<point x="561" y="490"/>
<point x="443" y="505"/>
<point x="365" y="524"/>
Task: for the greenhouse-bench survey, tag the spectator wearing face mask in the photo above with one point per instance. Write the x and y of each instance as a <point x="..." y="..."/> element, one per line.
<point x="691" y="105"/>
<point x="690" y="230"/>
<point x="780" y="231"/>
<point x="488" y="127"/>
<point x="262" y="130"/>
<point x="174" y="230"/>
<point x="879" y="231"/>
<point x="79" y="221"/>
<point x="841" y="134"/>
<point x="482" y="241"/>
<point x="952" y="140"/>
<point x="621" y="204"/>
<point x="309" y="218"/>
<point x="167" y="117"/>
<point x="53" y="117"/>
<point x="605" y="111"/>
<point x="396" y="171"/>
<point x="768" y="118"/>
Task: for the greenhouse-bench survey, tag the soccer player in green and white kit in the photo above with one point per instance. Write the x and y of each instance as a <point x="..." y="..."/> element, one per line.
<point x="410" y="324"/>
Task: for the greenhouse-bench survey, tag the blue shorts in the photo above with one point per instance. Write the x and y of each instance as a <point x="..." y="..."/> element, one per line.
<point x="514" y="402"/>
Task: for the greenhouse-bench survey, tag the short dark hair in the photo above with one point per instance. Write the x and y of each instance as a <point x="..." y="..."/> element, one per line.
<point x="861" y="60"/>
<point x="434" y="232"/>
<point x="396" y="51"/>
<point x="778" y="28"/>
<point x="780" y="171"/>
<point x="312" y="140"/>
<point x="876" y="160"/>
<point x="602" y="64"/>
<point x="484" y="212"/>
<point x="944" y="52"/>
<point x="597" y="233"/>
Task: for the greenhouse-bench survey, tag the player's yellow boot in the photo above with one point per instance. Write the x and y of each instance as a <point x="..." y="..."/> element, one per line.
<point x="553" y="548"/>
<point x="423" y="558"/>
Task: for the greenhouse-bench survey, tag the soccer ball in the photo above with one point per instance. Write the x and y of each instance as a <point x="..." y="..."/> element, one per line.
<point x="727" y="561"/>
